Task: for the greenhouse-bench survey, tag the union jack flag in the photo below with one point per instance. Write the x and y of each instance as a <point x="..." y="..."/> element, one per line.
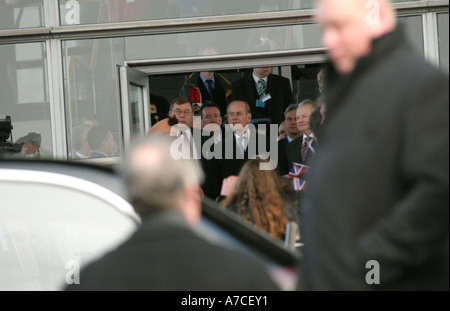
<point x="298" y="184"/>
<point x="298" y="169"/>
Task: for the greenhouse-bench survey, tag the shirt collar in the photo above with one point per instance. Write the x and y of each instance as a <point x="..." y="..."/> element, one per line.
<point x="304" y="136"/>
<point x="256" y="79"/>
<point x="204" y="79"/>
<point x="246" y="135"/>
<point x="187" y="133"/>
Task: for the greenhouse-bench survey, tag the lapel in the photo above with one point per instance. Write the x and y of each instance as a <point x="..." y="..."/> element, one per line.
<point x="310" y="154"/>
<point x="271" y="89"/>
<point x="282" y="145"/>
<point x="203" y="90"/>
<point x="218" y="90"/>
<point x="296" y="147"/>
<point x="252" y="88"/>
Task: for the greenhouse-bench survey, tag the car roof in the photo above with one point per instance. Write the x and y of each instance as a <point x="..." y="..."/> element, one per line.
<point x="57" y="216"/>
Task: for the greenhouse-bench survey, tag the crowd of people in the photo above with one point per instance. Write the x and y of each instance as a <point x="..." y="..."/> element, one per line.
<point x="373" y="150"/>
<point x="376" y="144"/>
<point x="230" y="142"/>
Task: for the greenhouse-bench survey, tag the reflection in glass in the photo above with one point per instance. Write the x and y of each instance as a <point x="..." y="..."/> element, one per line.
<point x="24" y="94"/>
<point x="262" y="39"/>
<point x="16" y="14"/>
<point x="137" y="112"/>
<point x="91" y="87"/>
<point x="414" y="31"/>
<point x="73" y="12"/>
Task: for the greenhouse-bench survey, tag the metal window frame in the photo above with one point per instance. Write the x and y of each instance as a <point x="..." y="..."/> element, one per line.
<point x="230" y="61"/>
<point x="430" y="37"/>
<point x="53" y="28"/>
<point x="438" y="51"/>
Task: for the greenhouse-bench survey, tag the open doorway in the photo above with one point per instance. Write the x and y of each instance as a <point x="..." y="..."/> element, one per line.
<point x="165" y="87"/>
<point x="157" y="83"/>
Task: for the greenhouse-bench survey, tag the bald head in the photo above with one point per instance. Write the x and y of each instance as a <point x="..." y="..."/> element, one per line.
<point x="156" y="181"/>
<point x="350" y="26"/>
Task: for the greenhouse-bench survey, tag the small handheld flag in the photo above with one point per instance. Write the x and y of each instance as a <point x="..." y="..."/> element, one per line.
<point x="298" y="169"/>
<point x="298" y="184"/>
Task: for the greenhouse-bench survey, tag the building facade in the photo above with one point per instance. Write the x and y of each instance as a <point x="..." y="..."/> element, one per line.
<point x="61" y="61"/>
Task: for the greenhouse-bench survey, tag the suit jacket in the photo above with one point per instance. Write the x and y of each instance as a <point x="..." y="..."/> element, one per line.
<point x="195" y="89"/>
<point x="279" y="89"/>
<point x="378" y="190"/>
<point x="230" y="161"/>
<point x="294" y="152"/>
<point x="164" y="254"/>
<point x="283" y="163"/>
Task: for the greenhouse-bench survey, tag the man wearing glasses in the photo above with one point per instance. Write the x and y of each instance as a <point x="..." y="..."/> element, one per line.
<point x="187" y="147"/>
<point x="181" y="109"/>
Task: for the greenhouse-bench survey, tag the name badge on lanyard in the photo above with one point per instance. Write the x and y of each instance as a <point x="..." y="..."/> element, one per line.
<point x="262" y="102"/>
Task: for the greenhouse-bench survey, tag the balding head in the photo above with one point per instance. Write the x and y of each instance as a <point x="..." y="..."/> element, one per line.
<point x="157" y="182"/>
<point x="349" y="26"/>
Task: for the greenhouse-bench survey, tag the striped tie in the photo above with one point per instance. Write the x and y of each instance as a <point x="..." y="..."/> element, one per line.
<point x="305" y="147"/>
<point x="261" y="87"/>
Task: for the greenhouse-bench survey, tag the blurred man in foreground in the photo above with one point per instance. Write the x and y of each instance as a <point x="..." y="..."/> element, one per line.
<point x="165" y="253"/>
<point x="376" y="210"/>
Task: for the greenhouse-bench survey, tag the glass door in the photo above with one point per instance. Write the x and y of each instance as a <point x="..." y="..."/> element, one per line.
<point x="135" y="103"/>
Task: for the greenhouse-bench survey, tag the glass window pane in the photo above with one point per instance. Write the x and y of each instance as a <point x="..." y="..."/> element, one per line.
<point x="201" y="43"/>
<point x="414" y="31"/>
<point x="442" y="20"/>
<point x="21" y="14"/>
<point x="136" y="107"/>
<point x="91" y="94"/>
<point x="31" y="85"/>
<point x="90" y="65"/>
<point x="74" y="12"/>
<point x="24" y="95"/>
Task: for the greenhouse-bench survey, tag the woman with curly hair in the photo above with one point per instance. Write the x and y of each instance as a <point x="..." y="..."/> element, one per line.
<point x="263" y="198"/>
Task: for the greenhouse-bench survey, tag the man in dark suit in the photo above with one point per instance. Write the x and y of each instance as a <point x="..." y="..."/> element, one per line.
<point x="240" y="142"/>
<point x="207" y="86"/>
<point x="290" y="122"/>
<point x="376" y="212"/>
<point x="165" y="253"/>
<point x="268" y="95"/>
<point x="301" y="149"/>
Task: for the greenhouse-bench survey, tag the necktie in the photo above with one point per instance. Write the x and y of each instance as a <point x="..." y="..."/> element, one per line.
<point x="241" y="144"/>
<point x="305" y="147"/>
<point x="261" y="87"/>
<point x="209" y="86"/>
<point x="187" y="144"/>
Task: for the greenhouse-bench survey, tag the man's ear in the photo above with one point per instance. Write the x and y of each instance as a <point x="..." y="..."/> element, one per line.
<point x="192" y="205"/>
<point x="382" y="20"/>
